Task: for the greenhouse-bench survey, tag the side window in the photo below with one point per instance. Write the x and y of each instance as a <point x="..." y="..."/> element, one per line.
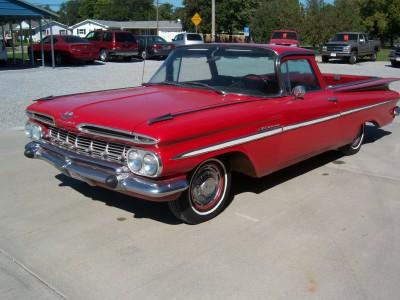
<point x="47" y="40"/>
<point x="299" y="72"/>
<point x="179" y="37"/>
<point x="107" y="36"/>
<point x="90" y="36"/>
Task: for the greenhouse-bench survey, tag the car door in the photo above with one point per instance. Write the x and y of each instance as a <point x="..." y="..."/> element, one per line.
<point x="362" y="45"/>
<point x="309" y="123"/>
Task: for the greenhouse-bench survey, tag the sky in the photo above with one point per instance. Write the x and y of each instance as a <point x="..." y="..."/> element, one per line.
<point x="55" y="4"/>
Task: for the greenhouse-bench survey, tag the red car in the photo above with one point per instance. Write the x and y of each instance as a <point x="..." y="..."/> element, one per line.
<point x="113" y="44"/>
<point x="67" y="48"/>
<point x="285" y="38"/>
<point x="209" y="110"/>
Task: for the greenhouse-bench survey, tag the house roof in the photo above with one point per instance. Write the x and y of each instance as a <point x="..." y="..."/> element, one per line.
<point x="20" y="8"/>
<point x="132" y="24"/>
<point x="45" y="25"/>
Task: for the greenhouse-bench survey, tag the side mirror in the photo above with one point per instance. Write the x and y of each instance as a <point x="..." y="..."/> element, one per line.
<point x="299" y="91"/>
<point x="362" y="41"/>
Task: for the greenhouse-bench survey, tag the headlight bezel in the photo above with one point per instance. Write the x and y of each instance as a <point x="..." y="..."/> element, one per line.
<point x="142" y="153"/>
<point x="34" y="131"/>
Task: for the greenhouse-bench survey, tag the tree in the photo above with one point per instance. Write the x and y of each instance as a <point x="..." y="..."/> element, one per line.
<point x="166" y="12"/>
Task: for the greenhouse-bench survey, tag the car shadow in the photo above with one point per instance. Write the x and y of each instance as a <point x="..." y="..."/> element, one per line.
<point x="159" y="211"/>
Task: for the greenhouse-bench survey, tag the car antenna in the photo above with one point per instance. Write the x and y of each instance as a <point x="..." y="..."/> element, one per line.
<point x="144" y="59"/>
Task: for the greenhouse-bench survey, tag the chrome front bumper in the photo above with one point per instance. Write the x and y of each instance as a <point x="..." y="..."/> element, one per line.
<point x="107" y="174"/>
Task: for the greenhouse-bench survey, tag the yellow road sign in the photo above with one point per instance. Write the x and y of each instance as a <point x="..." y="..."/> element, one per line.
<point x="196" y="19"/>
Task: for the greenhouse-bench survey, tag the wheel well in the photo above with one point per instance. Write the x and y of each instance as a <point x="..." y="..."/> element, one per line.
<point x="239" y="162"/>
<point x="354" y="50"/>
<point x="372" y="122"/>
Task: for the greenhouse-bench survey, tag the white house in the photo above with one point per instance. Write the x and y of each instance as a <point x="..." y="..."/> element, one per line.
<point x="57" y="27"/>
<point x="166" y="29"/>
<point x="83" y="28"/>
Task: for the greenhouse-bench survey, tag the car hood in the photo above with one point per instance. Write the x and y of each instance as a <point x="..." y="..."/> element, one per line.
<point x="125" y="109"/>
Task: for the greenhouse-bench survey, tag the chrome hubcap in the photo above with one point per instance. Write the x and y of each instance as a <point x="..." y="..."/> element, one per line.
<point x="207" y="187"/>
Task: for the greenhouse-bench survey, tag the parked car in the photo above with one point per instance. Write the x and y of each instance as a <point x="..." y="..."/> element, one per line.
<point x="67" y="48"/>
<point x="153" y="46"/>
<point x="394" y="56"/>
<point x="187" y="38"/>
<point x="114" y="44"/>
<point x="350" y="46"/>
<point x="285" y="38"/>
<point x="209" y="110"/>
<point x="3" y="52"/>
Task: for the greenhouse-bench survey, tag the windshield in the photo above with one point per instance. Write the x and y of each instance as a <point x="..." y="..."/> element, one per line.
<point x="71" y="39"/>
<point x="343" y="37"/>
<point x="287" y="35"/>
<point x="228" y="69"/>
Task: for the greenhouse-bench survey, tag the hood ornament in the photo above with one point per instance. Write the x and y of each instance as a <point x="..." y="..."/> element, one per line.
<point x="67" y="115"/>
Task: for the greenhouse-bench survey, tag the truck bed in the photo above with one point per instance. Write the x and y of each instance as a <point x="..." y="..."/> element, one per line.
<point x="347" y="83"/>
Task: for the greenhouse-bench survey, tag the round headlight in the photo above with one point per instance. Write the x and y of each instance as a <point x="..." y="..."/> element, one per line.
<point x="37" y="132"/>
<point x="150" y="163"/>
<point x="28" y="130"/>
<point x="134" y="161"/>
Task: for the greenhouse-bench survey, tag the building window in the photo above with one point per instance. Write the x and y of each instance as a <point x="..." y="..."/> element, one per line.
<point x="63" y="32"/>
<point x="81" y="31"/>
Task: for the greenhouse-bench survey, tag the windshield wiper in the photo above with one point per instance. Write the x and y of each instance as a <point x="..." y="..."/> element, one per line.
<point x="202" y="84"/>
<point x="166" y="82"/>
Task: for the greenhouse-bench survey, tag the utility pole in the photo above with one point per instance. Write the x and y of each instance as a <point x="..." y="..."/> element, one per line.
<point x="213" y="21"/>
<point x="157" y="17"/>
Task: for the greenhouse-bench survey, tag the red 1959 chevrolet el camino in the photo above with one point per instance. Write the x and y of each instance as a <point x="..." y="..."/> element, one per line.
<point x="208" y="111"/>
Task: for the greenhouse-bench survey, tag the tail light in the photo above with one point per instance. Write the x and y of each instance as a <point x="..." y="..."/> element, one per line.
<point x="157" y="46"/>
<point x="114" y="45"/>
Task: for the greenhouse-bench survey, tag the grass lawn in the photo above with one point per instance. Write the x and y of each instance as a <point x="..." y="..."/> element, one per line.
<point x="18" y="55"/>
<point x="383" y="54"/>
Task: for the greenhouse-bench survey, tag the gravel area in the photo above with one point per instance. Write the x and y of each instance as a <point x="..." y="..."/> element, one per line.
<point x="19" y="87"/>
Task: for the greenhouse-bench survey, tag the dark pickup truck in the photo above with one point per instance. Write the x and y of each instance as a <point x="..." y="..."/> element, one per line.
<point x="350" y="46"/>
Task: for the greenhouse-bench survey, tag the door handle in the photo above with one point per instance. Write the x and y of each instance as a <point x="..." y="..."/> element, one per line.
<point x="333" y="99"/>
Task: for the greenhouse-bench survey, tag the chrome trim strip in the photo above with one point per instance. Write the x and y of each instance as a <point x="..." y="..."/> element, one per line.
<point x="135" y="136"/>
<point x="36" y="116"/>
<point x="232" y="143"/>
<point x="312" y="122"/>
<point x="347" y="112"/>
<point x="271" y="132"/>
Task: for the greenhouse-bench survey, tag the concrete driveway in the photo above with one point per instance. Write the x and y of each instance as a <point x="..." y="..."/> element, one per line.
<point x="327" y="228"/>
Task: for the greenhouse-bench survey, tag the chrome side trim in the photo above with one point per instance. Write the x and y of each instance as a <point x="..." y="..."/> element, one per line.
<point x="118" y="134"/>
<point x="41" y="117"/>
<point x="231" y="143"/>
<point x="312" y="122"/>
<point x="347" y="112"/>
<point x="272" y="132"/>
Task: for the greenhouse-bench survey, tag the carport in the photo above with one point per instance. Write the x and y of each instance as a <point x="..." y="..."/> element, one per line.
<point x="16" y="11"/>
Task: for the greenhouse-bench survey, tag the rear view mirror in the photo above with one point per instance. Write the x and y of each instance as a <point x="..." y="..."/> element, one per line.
<point x="299" y="91"/>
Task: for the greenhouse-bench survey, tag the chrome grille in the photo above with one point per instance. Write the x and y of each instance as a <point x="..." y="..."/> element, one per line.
<point x="335" y="48"/>
<point x="83" y="145"/>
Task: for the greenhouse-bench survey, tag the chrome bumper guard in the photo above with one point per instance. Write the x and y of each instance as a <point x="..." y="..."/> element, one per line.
<point x="396" y="111"/>
<point x="97" y="172"/>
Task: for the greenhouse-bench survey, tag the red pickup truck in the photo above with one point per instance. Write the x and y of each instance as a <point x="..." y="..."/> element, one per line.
<point x="285" y="38"/>
<point x="208" y="111"/>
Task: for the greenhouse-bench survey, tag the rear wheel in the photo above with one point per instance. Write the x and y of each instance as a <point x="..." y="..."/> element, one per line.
<point x="355" y="145"/>
<point x="374" y="56"/>
<point x="207" y="195"/>
<point x="325" y="59"/>
<point x="395" y="63"/>
<point x="127" y="58"/>
<point x="103" y="55"/>
<point x="59" y="58"/>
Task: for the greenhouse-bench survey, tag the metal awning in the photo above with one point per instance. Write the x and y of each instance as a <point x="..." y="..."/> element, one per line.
<point x="12" y="11"/>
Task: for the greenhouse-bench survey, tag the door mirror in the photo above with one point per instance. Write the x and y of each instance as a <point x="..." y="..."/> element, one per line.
<point x="299" y="91"/>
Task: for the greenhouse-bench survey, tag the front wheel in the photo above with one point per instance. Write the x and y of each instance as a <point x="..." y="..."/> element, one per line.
<point x="207" y="195"/>
<point x="353" y="58"/>
<point x="355" y="145"/>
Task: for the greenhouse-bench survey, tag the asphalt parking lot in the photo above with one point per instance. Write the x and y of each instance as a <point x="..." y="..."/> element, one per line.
<point x="327" y="228"/>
